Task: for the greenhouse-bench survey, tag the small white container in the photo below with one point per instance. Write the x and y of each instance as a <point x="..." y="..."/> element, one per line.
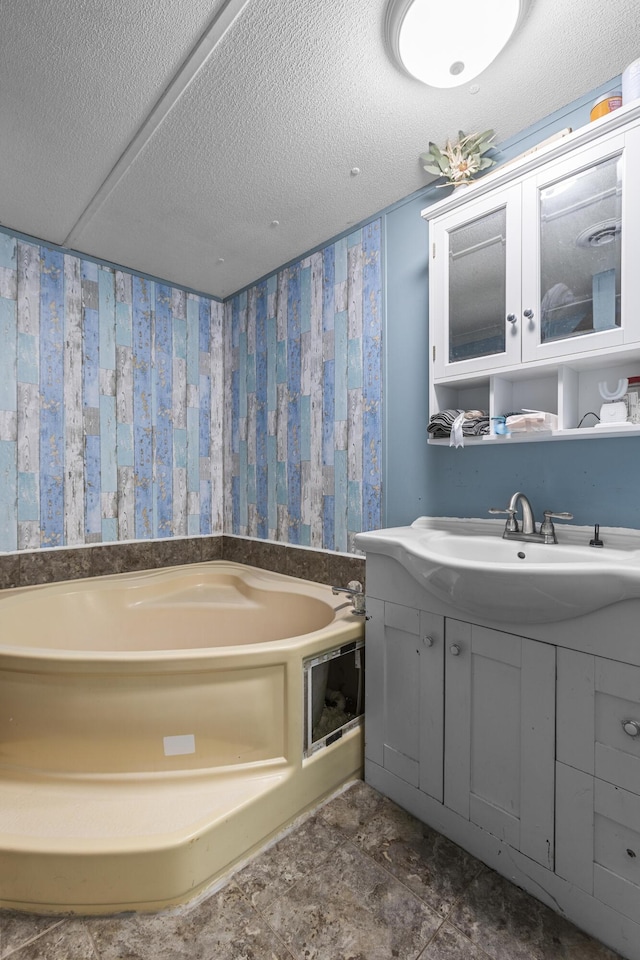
<point x="532" y="421"/>
<point x="633" y="400"/>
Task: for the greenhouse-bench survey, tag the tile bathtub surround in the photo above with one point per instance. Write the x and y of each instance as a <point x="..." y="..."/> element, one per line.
<point x="32" y="567"/>
<point x="302" y="430"/>
<point x="322" y="566"/>
<point x="111" y="393"/>
<point x="357" y="879"/>
<point x="28" y="568"/>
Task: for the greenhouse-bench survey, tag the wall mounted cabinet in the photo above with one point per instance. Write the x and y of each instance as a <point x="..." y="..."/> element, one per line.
<point x="533" y="293"/>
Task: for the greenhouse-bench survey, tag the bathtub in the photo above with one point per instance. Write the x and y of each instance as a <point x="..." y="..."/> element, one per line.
<point x="151" y="730"/>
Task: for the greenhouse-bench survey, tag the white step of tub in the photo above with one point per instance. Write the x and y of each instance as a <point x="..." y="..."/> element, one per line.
<point x="53" y="814"/>
<point x="104" y="844"/>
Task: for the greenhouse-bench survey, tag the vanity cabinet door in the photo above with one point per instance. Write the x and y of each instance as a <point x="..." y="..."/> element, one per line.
<point x="598" y="846"/>
<point x="405" y="693"/>
<point x="499" y="735"/>
<point x="599" y="717"/>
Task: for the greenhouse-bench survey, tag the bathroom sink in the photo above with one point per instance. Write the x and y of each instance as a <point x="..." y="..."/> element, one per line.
<point x="494" y="551"/>
<point x="467" y="564"/>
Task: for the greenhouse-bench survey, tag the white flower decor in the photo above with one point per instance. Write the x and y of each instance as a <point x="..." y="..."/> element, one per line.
<point x="459" y="162"/>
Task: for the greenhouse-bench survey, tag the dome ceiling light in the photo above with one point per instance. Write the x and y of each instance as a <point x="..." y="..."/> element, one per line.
<point x="446" y="45"/>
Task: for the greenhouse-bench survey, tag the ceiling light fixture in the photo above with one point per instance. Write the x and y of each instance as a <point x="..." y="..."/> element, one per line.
<point x="447" y="45"/>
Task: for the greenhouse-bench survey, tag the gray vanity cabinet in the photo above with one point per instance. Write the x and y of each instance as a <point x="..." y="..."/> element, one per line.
<point x="404" y="702"/>
<point x="499" y="735"/>
<point x="524" y="750"/>
<point x="466" y="715"/>
<point x="598" y="778"/>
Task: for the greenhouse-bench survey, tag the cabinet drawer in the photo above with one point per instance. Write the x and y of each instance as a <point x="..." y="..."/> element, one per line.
<point x="616" y="844"/>
<point x="598" y="839"/>
<point x="617" y="753"/>
<point x="599" y="718"/>
<point x="616" y="848"/>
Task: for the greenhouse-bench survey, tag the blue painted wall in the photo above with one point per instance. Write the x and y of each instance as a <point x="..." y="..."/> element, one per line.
<point x="597" y="480"/>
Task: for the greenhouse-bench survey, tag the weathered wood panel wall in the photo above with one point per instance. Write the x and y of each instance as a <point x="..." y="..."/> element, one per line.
<point x="111" y="396"/>
<point x="131" y="409"/>
<point x="303" y="427"/>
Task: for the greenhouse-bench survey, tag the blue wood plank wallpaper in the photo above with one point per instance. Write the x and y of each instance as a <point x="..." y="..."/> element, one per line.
<point x="303" y="427"/>
<point x="111" y="395"/>
<point x="131" y="409"/>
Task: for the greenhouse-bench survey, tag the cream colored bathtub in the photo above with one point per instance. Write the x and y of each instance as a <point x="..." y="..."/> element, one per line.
<point x="151" y="730"/>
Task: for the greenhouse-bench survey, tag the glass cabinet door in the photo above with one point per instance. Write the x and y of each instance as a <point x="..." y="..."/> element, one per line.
<point x="578" y="273"/>
<point x="477" y="287"/>
<point x="580" y="243"/>
<point x="477" y="253"/>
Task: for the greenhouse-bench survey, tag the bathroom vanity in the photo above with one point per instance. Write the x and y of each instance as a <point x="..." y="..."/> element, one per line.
<point x="517" y="738"/>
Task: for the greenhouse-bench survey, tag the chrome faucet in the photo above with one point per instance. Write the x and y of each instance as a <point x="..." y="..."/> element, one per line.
<point x="528" y="532"/>
<point x="355" y="592"/>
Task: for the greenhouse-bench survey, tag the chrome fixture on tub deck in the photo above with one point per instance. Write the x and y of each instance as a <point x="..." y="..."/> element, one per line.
<point x="354" y="590"/>
<point x="528" y="532"/>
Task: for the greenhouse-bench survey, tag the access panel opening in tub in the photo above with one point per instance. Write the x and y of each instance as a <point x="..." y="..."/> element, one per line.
<point x="334" y="695"/>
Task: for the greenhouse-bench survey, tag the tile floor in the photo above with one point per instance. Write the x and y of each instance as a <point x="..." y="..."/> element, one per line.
<point x="359" y="879"/>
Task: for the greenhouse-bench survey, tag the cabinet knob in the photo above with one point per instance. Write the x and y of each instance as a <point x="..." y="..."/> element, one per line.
<point x="511" y="317"/>
<point x="454" y="650"/>
<point x="528" y="314"/>
<point x="631" y="727"/>
<point x="428" y="641"/>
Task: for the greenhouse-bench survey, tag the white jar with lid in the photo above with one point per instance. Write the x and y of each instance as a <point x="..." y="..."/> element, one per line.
<point x="633" y="400"/>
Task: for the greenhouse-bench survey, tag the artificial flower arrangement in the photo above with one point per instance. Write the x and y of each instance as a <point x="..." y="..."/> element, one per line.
<point x="459" y="162"/>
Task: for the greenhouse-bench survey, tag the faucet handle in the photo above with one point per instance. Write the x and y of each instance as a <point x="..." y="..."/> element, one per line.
<point x="546" y="527"/>
<point x="512" y="523"/>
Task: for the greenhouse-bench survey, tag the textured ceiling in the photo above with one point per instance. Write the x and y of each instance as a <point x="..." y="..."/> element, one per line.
<point x="168" y="136"/>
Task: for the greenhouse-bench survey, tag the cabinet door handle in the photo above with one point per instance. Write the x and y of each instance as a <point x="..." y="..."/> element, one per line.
<point x="455" y="650"/>
<point x="428" y="641"/>
<point x="528" y="314"/>
<point x="631" y="727"/>
<point x="511" y="317"/>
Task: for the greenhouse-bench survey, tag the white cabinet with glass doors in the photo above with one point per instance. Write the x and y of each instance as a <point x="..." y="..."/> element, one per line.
<point x="532" y="277"/>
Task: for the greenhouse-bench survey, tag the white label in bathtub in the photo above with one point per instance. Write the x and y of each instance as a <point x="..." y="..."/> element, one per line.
<point x="175" y="746"/>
